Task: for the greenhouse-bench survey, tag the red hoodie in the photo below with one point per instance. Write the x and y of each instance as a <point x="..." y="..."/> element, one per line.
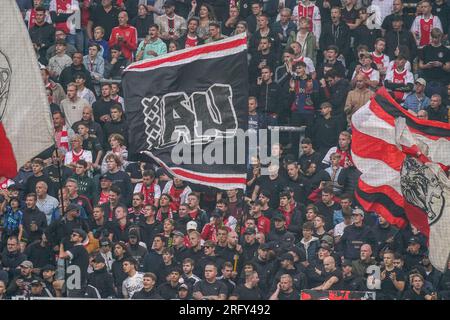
<point x="129" y="43"/>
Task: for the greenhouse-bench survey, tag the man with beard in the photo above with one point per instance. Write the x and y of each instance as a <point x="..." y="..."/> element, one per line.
<point x="21" y="284"/>
<point x="296" y="182"/>
<point x="149" y="188"/>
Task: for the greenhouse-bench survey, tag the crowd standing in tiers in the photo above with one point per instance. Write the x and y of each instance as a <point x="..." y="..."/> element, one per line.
<point x="134" y="232"/>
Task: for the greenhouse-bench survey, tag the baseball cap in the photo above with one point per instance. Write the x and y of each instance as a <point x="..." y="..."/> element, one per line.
<point x="413" y="240"/>
<point x="264" y="246"/>
<point x="216" y="213"/>
<point x="422" y="81"/>
<point x="106" y="177"/>
<point x="327" y="239"/>
<point x="81" y="232"/>
<point x="178" y="233"/>
<point x="287" y="256"/>
<point x="99" y="259"/>
<point x="358" y="211"/>
<point x="169" y="3"/>
<point x="72" y="207"/>
<point x="105" y="242"/>
<point x="36" y="283"/>
<point x="26" y="264"/>
<point x="347" y="263"/>
<point x="48" y="267"/>
<point x="279" y="216"/>
<point x="183" y="287"/>
<point x="325" y="246"/>
<point x="250" y="231"/>
<point x="288" y="237"/>
<point x="266" y="193"/>
<point x="191" y="225"/>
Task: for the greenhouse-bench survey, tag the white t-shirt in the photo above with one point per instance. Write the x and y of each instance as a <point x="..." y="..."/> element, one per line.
<point x="133" y="284"/>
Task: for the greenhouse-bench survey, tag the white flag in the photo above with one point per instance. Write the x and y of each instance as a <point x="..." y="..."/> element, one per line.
<point x="25" y="121"/>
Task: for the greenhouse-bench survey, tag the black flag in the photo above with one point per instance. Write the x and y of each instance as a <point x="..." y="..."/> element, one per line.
<point x="188" y="109"/>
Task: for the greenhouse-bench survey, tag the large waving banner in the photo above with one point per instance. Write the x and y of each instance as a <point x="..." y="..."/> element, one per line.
<point x="404" y="161"/>
<point x="187" y="111"/>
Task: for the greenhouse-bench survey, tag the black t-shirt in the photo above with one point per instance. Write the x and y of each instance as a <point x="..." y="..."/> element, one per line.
<point x="107" y="20"/>
<point x="349" y="16"/>
<point x="30" y="186"/>
<point x="336" y="273"/>
<point x="94" y="145"/>
<point x="388" y="290"/>
<point x="244" y="293"/>
<point x="100" y="231"/>
<point x="80" y="258"/>
<point x="441" y="54"/>
<point x="328" y="212"/>
<point x="211" y="289"/>
<point x="272" y="186"/>
<point x="149" y="231"/>
<point x="101" y="108"/>
<point x="412" y="295"/>
<point x="294" y="295"/>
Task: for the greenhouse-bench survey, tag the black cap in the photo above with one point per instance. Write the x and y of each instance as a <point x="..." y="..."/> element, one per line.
<point x="105" y="242"/>
<point x="99" y="259"/>
<point x="250" y="231"/>
<point x="266" y="193"/>
<point x="48" y="267"/>
<point x="296" y="250"/>
<point x="72" y="207"/>
<point x="397" y="17"/>
<point x="287" y="256"/>
<point x="169" y="3"/>
<point x="279" y="216"/>
<point x="81" y="232"/>
<point x="325" y="246"/>
<point x="347" y="263"/>
<point x="178" y="233"/>
<point x="116" y="47"/>
<point x="264" y="246"/>
<point x="413" y="240"/>
<point x="216" y="213"/>
<point x="288" y="237"/>
<point x="105" y="176"/>
<point x="36" y="283"/>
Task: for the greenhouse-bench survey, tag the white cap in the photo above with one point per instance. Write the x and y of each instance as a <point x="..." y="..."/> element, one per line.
<point x="191" y="225"/>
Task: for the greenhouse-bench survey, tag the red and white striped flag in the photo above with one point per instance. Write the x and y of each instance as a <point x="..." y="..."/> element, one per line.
<point x="25" y="120"/>
<point x="403" y="161"/>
